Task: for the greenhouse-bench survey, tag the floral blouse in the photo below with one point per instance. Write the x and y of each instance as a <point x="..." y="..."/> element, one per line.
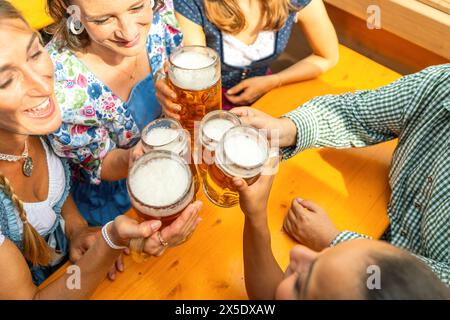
<point x="95" y="120"/>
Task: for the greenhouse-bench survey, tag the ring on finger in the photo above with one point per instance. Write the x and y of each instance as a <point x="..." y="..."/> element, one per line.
<point x="163" y="242"/>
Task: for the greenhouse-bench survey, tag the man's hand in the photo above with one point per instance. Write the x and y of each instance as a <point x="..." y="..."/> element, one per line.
<point x="253" y="199"/>
<point x="309" y="224"/>
<point x="283" y="129"/>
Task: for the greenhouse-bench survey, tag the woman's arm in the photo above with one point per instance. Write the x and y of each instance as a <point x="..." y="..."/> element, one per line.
<point x="16" y="282"/>
<point x="115" y="165"/>
<point x="193" y="33"/>
<point x="321" y="36"/>
<point x="320" y="33"/>
<point x="74" y="222"/>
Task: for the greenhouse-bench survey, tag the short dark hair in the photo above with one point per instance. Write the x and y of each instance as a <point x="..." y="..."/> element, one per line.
<point x="65" y="39"/>
<point x="404" y="277"/>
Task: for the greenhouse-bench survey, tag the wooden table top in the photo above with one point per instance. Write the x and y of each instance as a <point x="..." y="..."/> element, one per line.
<point x="350" y="184"/>
<point x="34" y="12"/>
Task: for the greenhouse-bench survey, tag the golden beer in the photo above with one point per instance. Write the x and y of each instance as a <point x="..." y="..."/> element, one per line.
<point x="212" y="128"/>
<point x="160" y="186"/>
<point x="242" y="152"/>
<point x="194" y="75"/>
<point x="168" y="134"/>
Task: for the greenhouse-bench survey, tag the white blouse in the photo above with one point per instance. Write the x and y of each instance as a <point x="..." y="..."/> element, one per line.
<point x="239" y="54"/>
<point x="41" y="214"/>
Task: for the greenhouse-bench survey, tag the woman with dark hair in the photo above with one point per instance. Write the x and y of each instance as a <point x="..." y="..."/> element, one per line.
<point x="106" y="54"/>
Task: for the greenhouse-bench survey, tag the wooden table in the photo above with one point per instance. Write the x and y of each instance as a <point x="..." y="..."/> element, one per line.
<point x="34" y="12"/>
<point x="350" y="184"/>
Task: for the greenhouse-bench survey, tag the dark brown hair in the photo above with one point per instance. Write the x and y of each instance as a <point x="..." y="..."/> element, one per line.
<point x="57" y="9"/>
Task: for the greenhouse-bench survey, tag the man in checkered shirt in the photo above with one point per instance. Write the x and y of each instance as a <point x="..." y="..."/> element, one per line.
<point x="416" y="111"/>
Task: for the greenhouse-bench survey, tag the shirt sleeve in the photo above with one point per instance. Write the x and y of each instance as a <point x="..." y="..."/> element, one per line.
<point x="347" y="235"/>
<point x="441" y="269"/>
<point x="354" y="119"/>
<point x="190" y="9"/>
<point x="300" y="3"/>
<point x="85" y="146"/>
<point x="166" y="36"/>
<point x="83" y="137"/>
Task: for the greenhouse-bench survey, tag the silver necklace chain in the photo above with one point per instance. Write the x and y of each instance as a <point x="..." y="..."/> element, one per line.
<point x="13" y="158"/>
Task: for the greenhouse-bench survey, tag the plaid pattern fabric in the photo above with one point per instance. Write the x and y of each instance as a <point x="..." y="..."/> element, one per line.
<point x="416" y="110"/>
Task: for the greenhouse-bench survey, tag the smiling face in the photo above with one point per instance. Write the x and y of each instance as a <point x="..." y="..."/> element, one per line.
<point x="27" y="104"/>
<point x="335" y="273"/>
<point x="120" y="26"/>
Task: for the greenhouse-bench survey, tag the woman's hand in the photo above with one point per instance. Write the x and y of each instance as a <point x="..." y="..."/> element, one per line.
<point x="250" y="90"/>
<point x="135" y="153"/>
<point x="310" y="225"/>
<point x="283" y="129"/>
<point x="165" y="95"/>
<point x="83" y="239"/>
<point x="176" y="233"/>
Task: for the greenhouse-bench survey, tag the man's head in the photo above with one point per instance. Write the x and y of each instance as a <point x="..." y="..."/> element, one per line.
<point x="359" y="269"/>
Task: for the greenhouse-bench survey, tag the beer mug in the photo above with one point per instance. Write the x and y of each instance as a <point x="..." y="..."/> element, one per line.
<point x="212" y="128"/>
<point x="160" y="186"/>
<point x="194" y="75"/>
<point x="242" y="152"/>
<point x="168" y="134"/>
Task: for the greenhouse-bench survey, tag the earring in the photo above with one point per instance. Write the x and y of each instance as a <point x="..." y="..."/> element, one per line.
<point x="73" y="22"/>
<point x="75" y="26"/>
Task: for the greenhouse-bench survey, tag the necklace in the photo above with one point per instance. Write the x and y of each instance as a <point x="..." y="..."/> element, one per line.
<point x="27" y="168"/>
<point x="131" y="76"/>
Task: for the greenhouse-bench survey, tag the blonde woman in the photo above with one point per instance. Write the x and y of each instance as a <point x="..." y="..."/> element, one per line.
<point x="105" y="61"/>
<point x="37" y="215"/>
<point x="249" y="36"/>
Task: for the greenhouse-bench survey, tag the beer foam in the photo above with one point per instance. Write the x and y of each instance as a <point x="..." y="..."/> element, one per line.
<point x="160" y="136"/>
<point x="216" y="128"/>
<point x="160" y="182"/>
<point x="244" y="151"/>
<point x="200" y="73"/>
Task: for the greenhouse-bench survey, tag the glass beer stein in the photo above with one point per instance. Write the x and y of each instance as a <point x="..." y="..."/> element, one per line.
<point x="242" y="152"/>
<point x="168" y="134"/>
<point x="212" y="128"/>
<point x="160" y="186"/>
<point x="195" y="76"/>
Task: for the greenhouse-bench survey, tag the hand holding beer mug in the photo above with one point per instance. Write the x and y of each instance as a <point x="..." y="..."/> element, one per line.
<point x="211" y="130"/>
<point x="168" y="134"/>
<point x="195" y="77"/>
<point x="242" y="152"/>
<point x="161" y="188"/>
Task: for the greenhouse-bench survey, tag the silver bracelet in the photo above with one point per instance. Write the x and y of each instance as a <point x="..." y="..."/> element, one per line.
<point x="108" y="239"/>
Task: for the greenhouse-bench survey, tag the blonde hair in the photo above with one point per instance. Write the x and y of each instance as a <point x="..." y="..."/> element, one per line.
<point x="35" y="248"/>
<point x="228" y="16"/>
